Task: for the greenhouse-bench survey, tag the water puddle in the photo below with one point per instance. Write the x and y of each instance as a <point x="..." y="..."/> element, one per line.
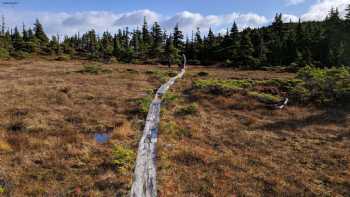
<point x="102" y="138"/>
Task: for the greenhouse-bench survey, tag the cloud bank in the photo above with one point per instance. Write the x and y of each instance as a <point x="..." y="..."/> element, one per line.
<point x="71" y="23"/>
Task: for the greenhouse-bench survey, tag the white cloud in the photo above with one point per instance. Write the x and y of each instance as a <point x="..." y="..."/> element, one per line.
<point x="71" y="23"/>
<point x="189" y="21"/>
<point x="294" y="2"/>
<point x="136" y="18"/>
<point x="289" y="18"/>
<point x="320" y="10"/>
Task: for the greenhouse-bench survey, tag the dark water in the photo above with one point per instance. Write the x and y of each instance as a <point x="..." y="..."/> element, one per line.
<point x="101" y="138"/>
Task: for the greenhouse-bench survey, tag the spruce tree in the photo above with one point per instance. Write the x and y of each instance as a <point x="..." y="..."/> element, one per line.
<point x="347" y="15"/>
<point x="171" y="53"/>
<point x="17" y="40"/>
<point x="40" y="34"/>
<point x="157" y="37"/>
<point x="246" y="58"/>
<point x="178" y="38"/>
<point x="234" y="44"/>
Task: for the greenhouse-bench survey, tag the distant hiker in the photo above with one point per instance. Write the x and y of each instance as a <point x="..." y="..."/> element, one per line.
<point x="169" y="62"/>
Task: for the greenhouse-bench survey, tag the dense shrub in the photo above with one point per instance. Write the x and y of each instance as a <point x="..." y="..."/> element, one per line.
<point x="21" y="55"/>
<point x="222" y="87"/>
<point x="264" y="97"/>
<point x="4" y="54"/>
<point x="323" y="86"/>
<point x="188" y="110"/>
<point x="123" y="158"/>
<point x="63" y="58"/>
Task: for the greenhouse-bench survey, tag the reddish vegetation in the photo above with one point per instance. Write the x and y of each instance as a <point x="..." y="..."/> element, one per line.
<point x="209" y="145"/>
<point x="235" y="146"/>
<point x="48" y="118"/>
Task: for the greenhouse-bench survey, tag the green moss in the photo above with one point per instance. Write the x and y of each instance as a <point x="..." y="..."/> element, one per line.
<point x="2" y="190"/>
<point x="324" y="86"/>
<point x="63" y="58"/>
<point x="144" y="104"/>
<point x="188" y="110"/>
<point x="93" y="69"/>
<point x="4" y="54"/>
<point x="223" y="84"/>
<point x="266" y="98"/>
<point x="162" y="76"/>
<point x="285" y="85"/>
<point x="169" y="97"/>
<point x="123" y="158"/>
<point x="174" y="131"/>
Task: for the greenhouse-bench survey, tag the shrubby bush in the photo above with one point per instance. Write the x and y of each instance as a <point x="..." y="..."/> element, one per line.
<point x="21" y="54"/>
<point x="123" y="158"/>
<point x="4" y="54"/>
<point x="323" y="86"/>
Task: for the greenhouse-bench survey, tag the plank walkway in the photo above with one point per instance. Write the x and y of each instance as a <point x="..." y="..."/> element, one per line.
<point x="145" y="183"/>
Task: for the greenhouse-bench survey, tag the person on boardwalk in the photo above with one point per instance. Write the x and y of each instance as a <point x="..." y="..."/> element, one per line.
<point x="169" y="62"/>
<point x="184" y="61"/>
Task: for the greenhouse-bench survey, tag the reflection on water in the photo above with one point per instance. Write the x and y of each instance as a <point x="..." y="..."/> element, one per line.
<point x="101" y="138"/>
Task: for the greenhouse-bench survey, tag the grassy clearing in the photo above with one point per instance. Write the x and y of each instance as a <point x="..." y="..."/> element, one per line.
<point x="239" y="147"/>
<point x="48" y="121"/>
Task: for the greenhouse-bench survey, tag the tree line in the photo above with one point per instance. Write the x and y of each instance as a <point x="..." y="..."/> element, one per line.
<point x="323" y="44"/>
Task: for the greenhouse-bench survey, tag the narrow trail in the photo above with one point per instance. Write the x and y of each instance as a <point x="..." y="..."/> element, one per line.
<point x="144" y="182"/>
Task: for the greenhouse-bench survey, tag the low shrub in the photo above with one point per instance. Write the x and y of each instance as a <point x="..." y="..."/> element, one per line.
<point x="203" y="74"/>
<point x="2" y="190"/>
<point x="123" y="158"/>
<point x="264" y="97"/>
<point x="162" y="76"/>
<point x="94" y="69"/>
<point x="63" y="58"/>
<point x="21" y="55"/>
<point x="169" y="97"/>
<point x="174" y="131"/>
<point x="188" y="110"/>
<point x="323" y="86"/>
<point x="144" y="104"/>
<point x="4" y="54"/>
<point x="222" y="87"/>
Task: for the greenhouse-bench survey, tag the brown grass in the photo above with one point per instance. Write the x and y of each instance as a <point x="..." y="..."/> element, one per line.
<point x="238" y="147"/>
<point x="228" y="146"/>
<point x="48" y="119"/>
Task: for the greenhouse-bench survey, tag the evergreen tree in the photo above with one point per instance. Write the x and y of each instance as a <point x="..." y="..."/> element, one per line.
<point x="246" y="58"/>
<point x="40" y="34"/>
<point x="277" y="40"/>
<point x="347" y="15"/>
<point x="171" y="53"/>
<point x="157" y="37"/>
<point x="3" y="26"/>
<point x="17" y="40"/>
<point x="234" y="43"/>
<point x="178" y="38"/>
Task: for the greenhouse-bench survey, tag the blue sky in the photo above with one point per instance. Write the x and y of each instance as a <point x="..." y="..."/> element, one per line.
<point x="71" y="16"/>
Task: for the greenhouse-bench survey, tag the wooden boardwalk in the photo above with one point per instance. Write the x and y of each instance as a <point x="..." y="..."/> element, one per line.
<point x="145" y="183"/>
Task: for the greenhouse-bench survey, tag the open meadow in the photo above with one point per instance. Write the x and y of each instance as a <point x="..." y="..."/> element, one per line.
<point x="71" y="128"/>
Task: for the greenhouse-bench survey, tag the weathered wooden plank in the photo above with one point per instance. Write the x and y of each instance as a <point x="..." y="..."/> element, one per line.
<point x="145" y="182"/>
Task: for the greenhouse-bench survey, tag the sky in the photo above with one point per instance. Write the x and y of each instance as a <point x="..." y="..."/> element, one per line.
<point x="72" y="16"/>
